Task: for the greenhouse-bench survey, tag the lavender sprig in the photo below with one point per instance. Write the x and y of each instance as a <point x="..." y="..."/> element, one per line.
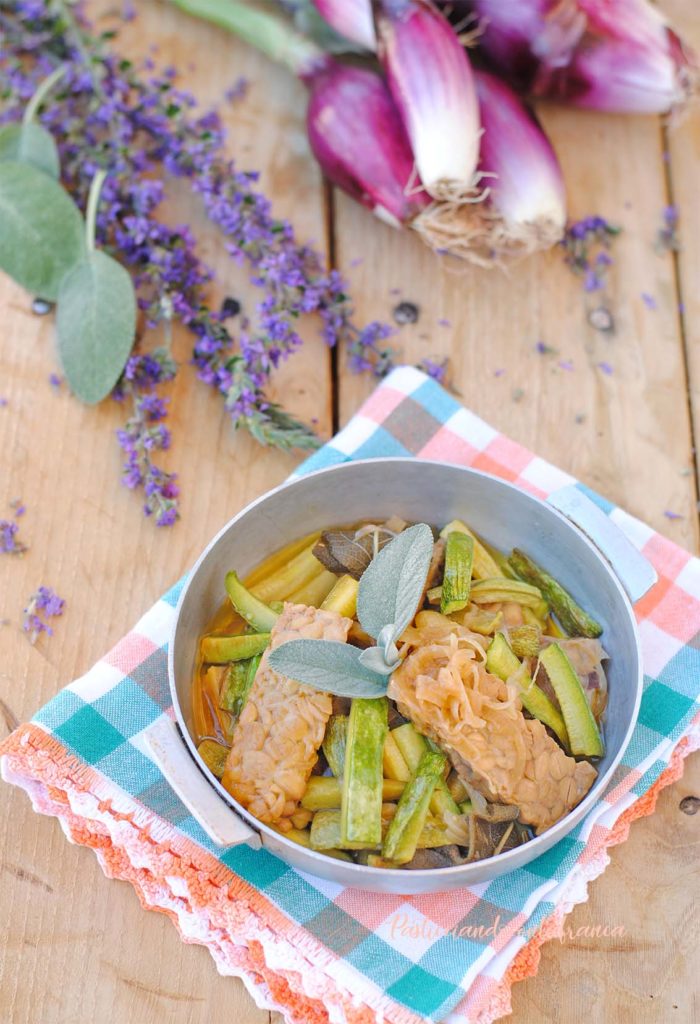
<point x="139" y="125"/>
<point x="145" y="433"/>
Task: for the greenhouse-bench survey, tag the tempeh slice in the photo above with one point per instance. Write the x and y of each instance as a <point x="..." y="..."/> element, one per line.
<point x="276" y="739"/>
<point x="445" y="690"/>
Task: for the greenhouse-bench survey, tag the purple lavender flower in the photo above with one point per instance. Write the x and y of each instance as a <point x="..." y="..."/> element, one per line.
<point x="44" y="601"/>
<point x="436" y="370"/>
<point x="9" y="543"/>
<point x="55" y="381"/>
<point x="147" y="128"/>
<point x="649" y="300"/>
<point x="586" y="245"/>
<point x="144" y="434"/>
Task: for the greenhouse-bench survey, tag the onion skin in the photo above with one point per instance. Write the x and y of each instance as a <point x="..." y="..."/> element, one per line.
<point x="350" y="18"/>
<point x="358" y="138"/>
<point x="608" y="55"/>
<point x="525" y="182"/>
<point x="524" y="209"/>
<point x="431" y="81"/>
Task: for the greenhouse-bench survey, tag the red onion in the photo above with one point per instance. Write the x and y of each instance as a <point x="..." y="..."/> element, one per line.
<point x="614" y="55"/>
<point x="431" y="80"/>
<point x="525" y="206"/>
<point x="357" y="137"/>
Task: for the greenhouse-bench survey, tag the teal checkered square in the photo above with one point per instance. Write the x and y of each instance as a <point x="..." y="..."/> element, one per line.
<point x="559" y="859"/>
<point x="89" y="735"/>
<point x="425" y="994"/>
<point x="663" y="709"/>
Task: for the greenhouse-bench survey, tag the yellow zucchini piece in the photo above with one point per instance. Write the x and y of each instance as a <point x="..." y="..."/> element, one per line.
<point x="343" y="597"/>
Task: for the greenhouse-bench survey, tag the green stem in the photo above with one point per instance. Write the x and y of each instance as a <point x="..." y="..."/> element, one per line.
<point x="92" y="204"/>
<point x="79" y="41"/>
<point x="42" y="92"/>
<point x="274" y="36"/>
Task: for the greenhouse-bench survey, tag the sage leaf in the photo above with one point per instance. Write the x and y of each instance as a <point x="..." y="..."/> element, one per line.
<point x="96" y="323"/>
<point x="30" y="144"/>
<point x="375" y="659"/>
<point x="41" y="230"/>
<point x="329" y="666"/>
<point x="392" y="586"/>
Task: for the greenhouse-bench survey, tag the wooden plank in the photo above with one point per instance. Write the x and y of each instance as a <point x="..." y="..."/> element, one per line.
<point x="75" y="947"/>
<point x="683" y="164"/>
<point x="627" y="435"/>
<point x="633" y="441"/>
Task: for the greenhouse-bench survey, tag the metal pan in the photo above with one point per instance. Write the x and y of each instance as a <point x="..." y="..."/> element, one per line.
<point x="592" y="559"/>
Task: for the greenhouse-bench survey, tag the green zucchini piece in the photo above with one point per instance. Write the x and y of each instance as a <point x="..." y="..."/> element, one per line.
<point x="343" y="597"/>
<point x="248" y="606"/>
<point x="484" y="565"/>
<point x="218" y="650"/>
<point x="214" y="756"/>
<point x="525" y="641"/>
<point x="361" y="803"/>
<point x="584" y="736"/>
<point x="502" y="662"/>
<point x="407" y="824"/>
<point x="324" y="793"/>
<point x="334" y="743"/>
<point x="499" y="589"/>
<point x="237" y="684"/>
<point x="412" y="745"/>
<point x="574" y="620"/>
<point x="456" y="583"/>
<point x="326" y="833"/>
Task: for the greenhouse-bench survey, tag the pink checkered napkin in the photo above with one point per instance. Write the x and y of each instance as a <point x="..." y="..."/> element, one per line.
<point x="311" y="948"/>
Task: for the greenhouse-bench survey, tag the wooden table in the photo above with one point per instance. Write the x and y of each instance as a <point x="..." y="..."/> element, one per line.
<point x="76" y="948"/>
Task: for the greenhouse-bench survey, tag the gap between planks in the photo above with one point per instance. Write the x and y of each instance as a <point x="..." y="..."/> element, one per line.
<point x="681" y="314"/>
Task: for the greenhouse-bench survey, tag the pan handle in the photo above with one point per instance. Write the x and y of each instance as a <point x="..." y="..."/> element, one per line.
<point x="221" y="824"/>
<point x="636" y="574"/>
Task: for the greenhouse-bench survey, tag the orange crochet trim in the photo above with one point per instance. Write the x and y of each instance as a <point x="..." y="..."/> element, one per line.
<point x="246" y="931"/>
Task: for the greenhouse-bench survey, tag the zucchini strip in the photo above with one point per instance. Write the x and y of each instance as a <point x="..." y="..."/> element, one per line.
<point x="495" y="590"/>
<point x="219" y="650"/>
<point x="324" y="793"/>
<point x="343" y="597"/>
<point x="361" y="804"/>
<point x="214" y="756"/>
<point x="334" y="743"/>
<point x="412" y="745"/>
<point x="456" y="583"/>
<point x="584" y="736"/>
<point x="573" y="618"/>
<point x="502" y="662"/>
<point x="236" y="685"/>
<point x="404" y="830"/>
<point x="484" y="565"/>
<point x="249" y="607"/>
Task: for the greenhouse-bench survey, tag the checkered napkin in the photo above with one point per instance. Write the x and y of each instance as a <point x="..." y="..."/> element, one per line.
<point x="310" y="948"/>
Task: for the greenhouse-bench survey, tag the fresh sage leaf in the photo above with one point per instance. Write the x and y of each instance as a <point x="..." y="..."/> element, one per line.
<point x="96" y="322"/>
<point x="41" y="230"/>
<point x="392" y="586"/>
<point x="30" y="144"/>
<point x="329" y="666"/>
<point x="375" y="659"/>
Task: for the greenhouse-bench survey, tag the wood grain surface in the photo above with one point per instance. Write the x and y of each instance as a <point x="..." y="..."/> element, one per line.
<point x="76" y="948"/>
